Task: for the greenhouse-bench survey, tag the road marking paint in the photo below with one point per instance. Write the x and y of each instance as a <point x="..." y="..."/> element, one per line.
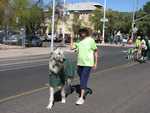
<point x="24" y="58"/>
<point x="24" y="62"/>
<point x="124" y="51"/>
<point x="24" y="67"/>
<point x="46" y="85"/>
<point x="22" y="94"/>
<point x="119" y="67"/>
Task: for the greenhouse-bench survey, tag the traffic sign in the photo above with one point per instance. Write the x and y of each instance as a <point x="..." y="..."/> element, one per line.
<point x="135" y="29"/>
<point x="104" y="20"/>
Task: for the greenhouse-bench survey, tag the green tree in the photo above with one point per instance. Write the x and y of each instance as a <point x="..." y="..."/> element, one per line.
<point x="76" y="25"/>
<point x="147" y="7"/>
<point x="30" y="16"/>
<point x="116" y="21"/>
<point x="144" y="23"/>
<point x="113" y="23"/>
<point x="6" y="12"/>
<point x="122" y="22"/>
<point x="3" y="6"/>
<point x="34" y="19"/>
<point x="21" y="12"/>
<point x="95" y="18"/>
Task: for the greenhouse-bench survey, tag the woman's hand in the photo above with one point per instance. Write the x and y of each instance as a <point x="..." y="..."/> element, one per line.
<point x="95" y="66"/>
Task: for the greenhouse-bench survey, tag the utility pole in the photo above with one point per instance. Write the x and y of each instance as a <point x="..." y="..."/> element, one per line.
<point x="104" y="21"/>
<point x="133" y="18"/>
<point x="53" y="25"/>
<point x="23" y="33"/>
<point x="64" y="12"/>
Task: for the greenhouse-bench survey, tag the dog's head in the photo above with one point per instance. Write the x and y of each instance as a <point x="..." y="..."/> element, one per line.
<point x="57" y="54"/>
<point x="56" y="60"/>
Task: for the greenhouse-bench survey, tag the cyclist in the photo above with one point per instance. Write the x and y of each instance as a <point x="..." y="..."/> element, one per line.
<point x="137" y="52"/>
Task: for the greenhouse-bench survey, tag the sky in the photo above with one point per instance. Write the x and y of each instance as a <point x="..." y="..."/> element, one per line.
<point x="119" y="5"/>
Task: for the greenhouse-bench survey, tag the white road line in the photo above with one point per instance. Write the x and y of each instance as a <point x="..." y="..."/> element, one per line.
<point x="125" y="51"/>
<point x="24" y="62"/>
<point x="23" y="58"/>
<point x="24" y="67"/>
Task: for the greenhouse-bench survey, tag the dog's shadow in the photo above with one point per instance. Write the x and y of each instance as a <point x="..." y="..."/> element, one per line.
<point x="70" y="90"/>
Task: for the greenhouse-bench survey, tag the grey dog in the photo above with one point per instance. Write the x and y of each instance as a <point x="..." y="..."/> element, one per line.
<point x="56" y="75"/>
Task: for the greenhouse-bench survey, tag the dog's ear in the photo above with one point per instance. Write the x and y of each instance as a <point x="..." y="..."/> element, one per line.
<point x="55" y="48"/>
<point x="61" y="50"/>
<point x="51" y="54"/>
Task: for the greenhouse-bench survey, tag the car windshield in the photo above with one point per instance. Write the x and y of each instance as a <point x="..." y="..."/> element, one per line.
<point x="12" y="38"/>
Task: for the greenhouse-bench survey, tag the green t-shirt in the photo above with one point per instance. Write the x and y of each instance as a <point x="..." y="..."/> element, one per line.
<point x="85" y="49"/>
<point x="138" y="43"/>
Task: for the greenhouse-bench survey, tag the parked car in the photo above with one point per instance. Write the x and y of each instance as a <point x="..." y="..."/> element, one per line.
<point x="2" y="34"/>
<point x="33" y="41"/>
<point x="50" y="36"/>
<point x="13" y="40"/>
<point x="125" y="39"/>
<point x="67" y="38"/>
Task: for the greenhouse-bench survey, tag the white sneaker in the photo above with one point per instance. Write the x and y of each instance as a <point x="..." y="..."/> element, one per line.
<point x="80" y="101"/>
<point x="63" y="100"/>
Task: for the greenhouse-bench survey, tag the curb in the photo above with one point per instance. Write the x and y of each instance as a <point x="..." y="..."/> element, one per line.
<point x="114" y="45"/>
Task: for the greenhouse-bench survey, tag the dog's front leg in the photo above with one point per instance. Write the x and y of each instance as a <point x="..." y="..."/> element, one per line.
<point x="51" y="98"/>
<point x="63" y="95"/>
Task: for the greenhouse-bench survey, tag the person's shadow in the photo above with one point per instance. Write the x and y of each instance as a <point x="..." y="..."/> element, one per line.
<point x="71" y="89"/>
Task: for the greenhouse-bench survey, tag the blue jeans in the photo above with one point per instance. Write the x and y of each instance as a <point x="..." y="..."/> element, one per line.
<point x="84" y="73"/>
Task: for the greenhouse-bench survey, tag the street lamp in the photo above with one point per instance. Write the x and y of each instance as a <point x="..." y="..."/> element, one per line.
<point x="53" y="25"/>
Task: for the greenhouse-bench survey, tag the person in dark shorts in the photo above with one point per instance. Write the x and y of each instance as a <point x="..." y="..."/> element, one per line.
<point x="86" y="60"/>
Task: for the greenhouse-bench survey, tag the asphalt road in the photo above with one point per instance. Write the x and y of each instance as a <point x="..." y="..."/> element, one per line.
<point x="118" y="86"/>
<point x="23" y="74"/>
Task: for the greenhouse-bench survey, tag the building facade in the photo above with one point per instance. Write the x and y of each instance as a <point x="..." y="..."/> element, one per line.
<point x="82" y="12"/>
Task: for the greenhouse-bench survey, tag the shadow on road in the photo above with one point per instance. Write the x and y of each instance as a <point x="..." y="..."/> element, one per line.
<point x="71" y="89"/>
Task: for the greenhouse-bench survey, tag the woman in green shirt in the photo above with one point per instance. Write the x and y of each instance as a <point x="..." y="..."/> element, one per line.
<point x="86" y="60"/>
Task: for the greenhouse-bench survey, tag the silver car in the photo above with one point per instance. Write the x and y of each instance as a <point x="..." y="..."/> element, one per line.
<point x="13" y="39"/>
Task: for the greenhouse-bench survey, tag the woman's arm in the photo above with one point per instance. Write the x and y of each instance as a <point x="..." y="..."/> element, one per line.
<point x="95" y="58"/>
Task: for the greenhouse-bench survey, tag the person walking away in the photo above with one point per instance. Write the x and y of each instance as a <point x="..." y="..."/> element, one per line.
<point x="86" y="60"/>
<point x="143" y="49"/>
<point x="138" y="47"/>
<point x="138" y="42"/>
<point x="148" y="47"/>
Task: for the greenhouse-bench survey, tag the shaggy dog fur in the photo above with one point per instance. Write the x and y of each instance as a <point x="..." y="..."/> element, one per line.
<point x="56" y="76"/>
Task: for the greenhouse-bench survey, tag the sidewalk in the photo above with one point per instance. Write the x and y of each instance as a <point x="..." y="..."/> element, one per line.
<point x="12" y="53"/>
<point x="19" y="52"/>
<point x="116" y="45"/>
